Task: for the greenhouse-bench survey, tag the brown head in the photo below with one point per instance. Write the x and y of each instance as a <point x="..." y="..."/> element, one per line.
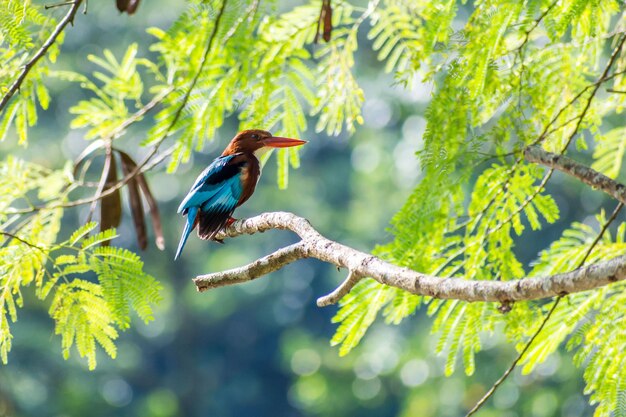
<point x="251" y="141"/>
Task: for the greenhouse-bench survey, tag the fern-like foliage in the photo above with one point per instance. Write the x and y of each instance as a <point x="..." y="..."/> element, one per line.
<point x="83" y="317"/>
<point x="407" y="34"/>
<point x="600" y="342"/>
<point x="609" y="152"/>
<point x="23" y="28"/>
<point x="353" y="318"/>
<point x="497" y="90"/>
<point x="120" y="85"/>
<point x="86" y="313"/>
<point x="503" y="74"/>
<point x="340" y="97"/>
<point x="22" y="258"/>
<point x="124" y="284"/>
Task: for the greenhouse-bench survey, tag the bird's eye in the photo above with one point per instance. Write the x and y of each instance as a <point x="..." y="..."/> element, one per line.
<point x="255" y="136"/>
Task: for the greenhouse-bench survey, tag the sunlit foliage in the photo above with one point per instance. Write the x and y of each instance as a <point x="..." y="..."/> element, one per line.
<point x="516" y="74"/>
<point x="505" y="76"/>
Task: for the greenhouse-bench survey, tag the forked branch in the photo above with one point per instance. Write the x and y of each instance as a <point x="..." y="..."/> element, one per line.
<point x="360" y="265"/>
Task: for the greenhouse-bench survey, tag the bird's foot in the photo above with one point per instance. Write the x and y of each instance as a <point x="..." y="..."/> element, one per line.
<point x="230" y="221"/>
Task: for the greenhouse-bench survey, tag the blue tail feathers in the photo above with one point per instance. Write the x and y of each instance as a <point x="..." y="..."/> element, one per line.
<point x="191" y="220"/>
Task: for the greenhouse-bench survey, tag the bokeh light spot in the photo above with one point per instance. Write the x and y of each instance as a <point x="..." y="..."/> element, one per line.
<point x="305" y="362"/>
<point x="414" y="373"/>
<point x="116" y="392"/>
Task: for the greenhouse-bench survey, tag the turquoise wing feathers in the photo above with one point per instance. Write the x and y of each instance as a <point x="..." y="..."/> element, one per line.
<point x="212" y="198"/>
<point x="210" y="182"/>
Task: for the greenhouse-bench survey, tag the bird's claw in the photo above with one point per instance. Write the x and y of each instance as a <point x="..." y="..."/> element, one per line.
<point x="230" y="221"/>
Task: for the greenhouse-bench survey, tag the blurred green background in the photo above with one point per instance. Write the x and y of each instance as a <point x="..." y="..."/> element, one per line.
<point x="262" y="349"/>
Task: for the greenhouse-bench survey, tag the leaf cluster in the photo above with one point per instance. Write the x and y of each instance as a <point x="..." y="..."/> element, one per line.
<point x="91" y="289"/>
<point x="260" y="67"/>
<point x="504" y="76"/>
<point x="512" y="75"/>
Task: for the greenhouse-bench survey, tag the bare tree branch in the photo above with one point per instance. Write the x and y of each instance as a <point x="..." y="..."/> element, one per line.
<point x="256" y="269"/>
<point x="577" y="170"/>
<point x="360" y="264"/>
<point x="68" y="18"/>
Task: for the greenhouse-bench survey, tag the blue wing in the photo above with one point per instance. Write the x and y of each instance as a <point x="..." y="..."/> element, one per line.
<point x="212" y="198"/>
<point x="212" y="181"/>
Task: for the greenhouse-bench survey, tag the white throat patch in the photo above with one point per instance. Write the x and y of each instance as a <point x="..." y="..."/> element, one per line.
<point x="259" y="153"/>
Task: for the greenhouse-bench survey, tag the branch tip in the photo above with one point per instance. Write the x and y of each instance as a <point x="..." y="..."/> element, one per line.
<point x="344" y="288"/>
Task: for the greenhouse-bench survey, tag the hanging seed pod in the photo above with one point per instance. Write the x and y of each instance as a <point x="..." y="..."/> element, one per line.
<point x="136" y="205"/>
<point x="110" y="205"/>
<point x="152" y="204"/>
<point x="128" y="6"/>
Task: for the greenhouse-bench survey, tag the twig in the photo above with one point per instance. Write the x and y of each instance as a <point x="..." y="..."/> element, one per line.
<point x="614" y="56"/>
<point x="109" y="165"/>
<point x="140" y="113"/>
<point x="68" y="18"/>
<point x="519" y="357"/>
<point x="52" y="6"/>
<point x="19" y="239"/>
<point x="595" y="87"/>
<point x="520" y="48"/>
<point x="558" y="299"/>
<point x="536" y="23"/>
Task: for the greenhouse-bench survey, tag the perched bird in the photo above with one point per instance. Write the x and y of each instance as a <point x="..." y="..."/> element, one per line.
<point x="227" y="183"/>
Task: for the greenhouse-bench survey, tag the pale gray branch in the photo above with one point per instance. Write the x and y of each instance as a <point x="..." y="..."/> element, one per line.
<point x="344" y="288"/>
<point x="360" y="264"/>
<point x="256" y="269"/>
<point x="575" y="169"/>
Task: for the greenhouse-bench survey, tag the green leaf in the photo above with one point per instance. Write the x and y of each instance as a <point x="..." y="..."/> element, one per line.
<point x="125" y="285"/>
<point x="82" y="231"/>
<point x="355" y="316"/>
<point x="103" y="236"/>
<point x="84" y="319"/>
<point x="609" y="152"/>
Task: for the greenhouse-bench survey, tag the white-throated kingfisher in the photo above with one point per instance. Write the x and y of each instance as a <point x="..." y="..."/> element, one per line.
<point x="227" y="183"/>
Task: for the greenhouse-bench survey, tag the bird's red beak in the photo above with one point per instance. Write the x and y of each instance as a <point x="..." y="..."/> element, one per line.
<point x="278" y="142"/>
